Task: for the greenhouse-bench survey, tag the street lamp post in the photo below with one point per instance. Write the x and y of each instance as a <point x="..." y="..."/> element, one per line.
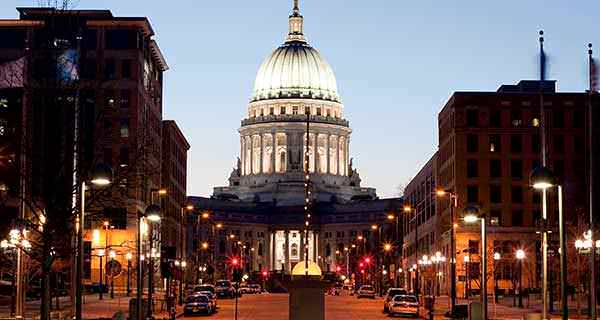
<point x="453" y="198"/>
<point x="112" y="256"/>
<point x="472" y="215"/>
<point x="101" y="253"/>
<point x="542" y="179"/>
<point x="520" y="255"/>
<point x="101" y="176"/>
<point x="408" y="209"/>
<point x="128" y="256"/>
<point x="152" y="214"/>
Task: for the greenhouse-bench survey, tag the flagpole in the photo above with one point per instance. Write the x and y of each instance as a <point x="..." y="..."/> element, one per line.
<point x="544" y="195"/>
<point x="593" y="314"/>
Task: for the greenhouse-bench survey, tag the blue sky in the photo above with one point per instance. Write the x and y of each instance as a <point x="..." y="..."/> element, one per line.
<point x="396" y="64"/>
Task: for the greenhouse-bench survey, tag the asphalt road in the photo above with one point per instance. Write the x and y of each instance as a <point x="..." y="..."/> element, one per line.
<point x="275" y="307"/>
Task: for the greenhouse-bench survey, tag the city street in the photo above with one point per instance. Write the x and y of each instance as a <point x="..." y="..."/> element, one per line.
<point x="275" y="307"/>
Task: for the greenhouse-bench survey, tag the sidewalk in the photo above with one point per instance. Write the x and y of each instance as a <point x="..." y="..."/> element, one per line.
<point x="93" y="308"/>
<point x="504" y="308"/>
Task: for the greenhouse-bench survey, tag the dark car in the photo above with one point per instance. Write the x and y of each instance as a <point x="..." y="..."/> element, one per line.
<point x="225" y="289"/>
<point x="392" y="292"/>
<point x="198" y="304"/>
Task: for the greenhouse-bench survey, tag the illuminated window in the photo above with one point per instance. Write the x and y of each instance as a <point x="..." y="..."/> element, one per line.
<point x="124" y="128"/>
<point x="282" y="110"/>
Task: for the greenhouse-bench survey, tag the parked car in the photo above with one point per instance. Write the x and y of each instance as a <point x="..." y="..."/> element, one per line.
<point x="256" y="288"/>
<point x="225" y="289"/>
<point x="198" y="303"/>
<point x="404" y="304"/>
<point x="209" y="291"/>
<point x="392" y="292"/>
<point x="366" y="291"/>
<point x="245" y="289"/>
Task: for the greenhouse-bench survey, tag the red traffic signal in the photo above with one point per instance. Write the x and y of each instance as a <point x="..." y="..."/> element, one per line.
<point x="367" y="260"/>
<point x="235" y="261"/>
<point x="361" y="264"/>
<point x="265" y="274"/>
<point x="338" y="269"/>
<point x="362" y="271"/>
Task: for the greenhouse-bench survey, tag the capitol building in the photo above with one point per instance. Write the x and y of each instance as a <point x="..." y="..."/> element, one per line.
<point x="260" y="214"/>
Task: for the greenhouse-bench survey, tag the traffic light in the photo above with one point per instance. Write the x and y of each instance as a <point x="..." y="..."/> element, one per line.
<point x="338" y="269"/>
<point x="235" y="262"/>
<point x="367" y="260"/>
<point x="361" y="264"/>
<point x="265" y="273"/>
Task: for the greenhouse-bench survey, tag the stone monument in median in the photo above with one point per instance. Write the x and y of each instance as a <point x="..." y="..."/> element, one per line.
<point x="307" y="292"/>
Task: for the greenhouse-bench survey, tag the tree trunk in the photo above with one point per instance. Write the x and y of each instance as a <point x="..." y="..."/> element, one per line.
<point x="46" y="300"/>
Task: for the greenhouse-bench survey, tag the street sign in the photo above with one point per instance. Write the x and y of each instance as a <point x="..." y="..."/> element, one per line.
<point x="113" y="268"/>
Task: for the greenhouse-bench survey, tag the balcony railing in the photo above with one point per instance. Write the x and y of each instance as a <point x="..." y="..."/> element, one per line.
<point x="295" y="118"/>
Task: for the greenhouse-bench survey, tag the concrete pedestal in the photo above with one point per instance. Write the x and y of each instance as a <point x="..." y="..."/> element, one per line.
<point x="307" y="298"/>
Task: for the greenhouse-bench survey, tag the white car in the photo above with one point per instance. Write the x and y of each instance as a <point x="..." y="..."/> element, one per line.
<point x="366" y="291"/>
<point x="404" y="304"/>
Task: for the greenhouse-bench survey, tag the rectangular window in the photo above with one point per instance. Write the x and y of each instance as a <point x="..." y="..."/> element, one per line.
<point x="282" y="110"/>
<point x="124" y="128"/>
<point x="472" y="168"/>
<point x="516" y="143"/>
<point x="559" y="169"/>
<point x="559" y="143"/>
<point x="472" y="194"/>
<point x="517" y="194"/>
<point x="496" y="217"/>
<point x="124" y="157"/>
<point x="495" y="168"/>
<point x="472" y="143"/>
<point x="272" y="111"/>
<point x="121" y="39"/>
<point x="109" y="69"/>
<point x="89" y="41"/>
<point x="579" y="144"/>
<point x="295" y="110"/>
<point x="495" y="193"/>
<point x="516" y="169"/>
<point x="124" y="100"/>
<point x="496" y="118"/>
<point x="89" y="69"/>
<point x="318" y="111"/>
<point x="536" y="145"/>
<point x="472" y="118"/>
<point x="495" y="143"/>
<point x="558" y="118"/>
<point x="126" y="68"/>
<point x="516" y="118"/>
<point x="578" y="118"/>
<point x="517" y="218"/>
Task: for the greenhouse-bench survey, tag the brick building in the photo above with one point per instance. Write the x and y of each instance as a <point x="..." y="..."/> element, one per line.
<point x="489" y="142"/>
<point x="112" y="69"/>
<point x="174" y="180"/>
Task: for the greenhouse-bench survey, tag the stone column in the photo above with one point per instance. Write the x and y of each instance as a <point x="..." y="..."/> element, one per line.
<point x="243" y="155"/>
<point x="347" y="155"/>
<point x="315" y="245"/>
<point x="314" y="149"/>
<point x="337" y="158"/>
<point x="272" y="251"/>
<point x="302" y="245"/>
<point x="262" y="152"/>
<point x="287" y="251"/>
<point x="328" y="152"/>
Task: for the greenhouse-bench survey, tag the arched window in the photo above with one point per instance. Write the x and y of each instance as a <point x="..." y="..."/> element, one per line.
<point x="267" y="153"/>
<point x="281" y="163"/>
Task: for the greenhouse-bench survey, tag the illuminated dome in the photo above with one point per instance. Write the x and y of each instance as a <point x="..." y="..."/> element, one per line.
<point x="299" y="269"/>
<point x="295" y="70"/>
